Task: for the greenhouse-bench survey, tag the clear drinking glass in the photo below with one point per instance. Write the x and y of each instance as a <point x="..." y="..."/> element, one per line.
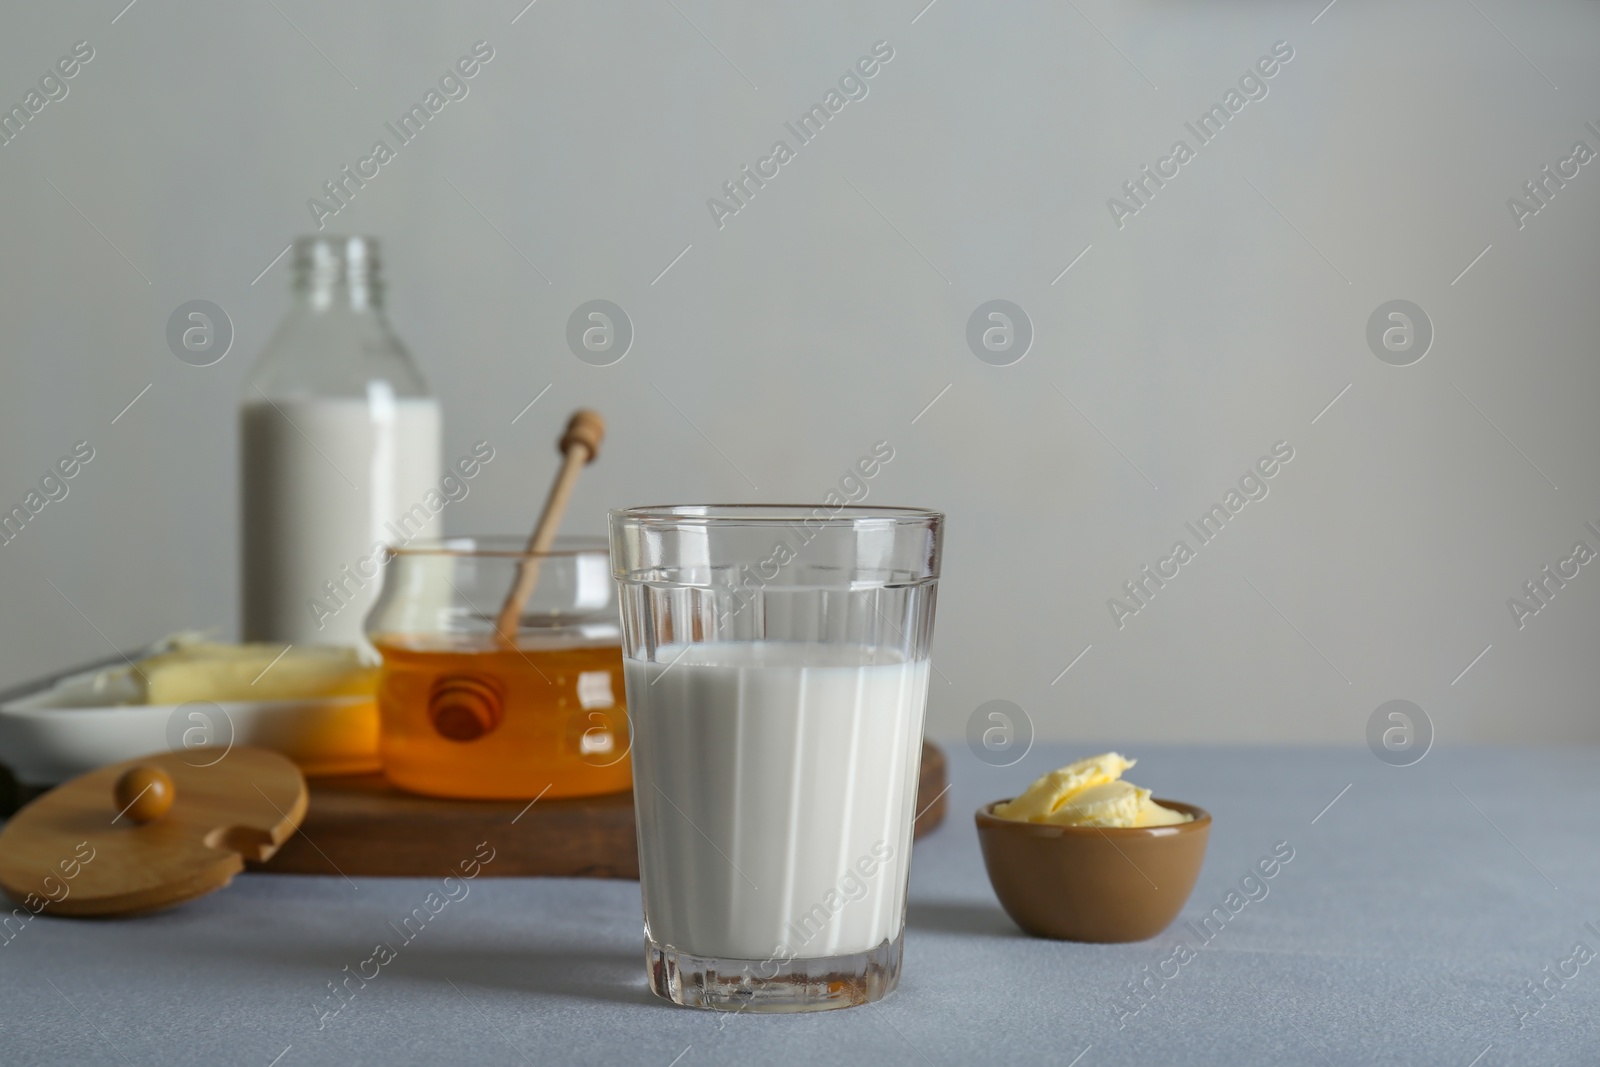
<point x="776" y="659"/>
<point x="468" y="711"/>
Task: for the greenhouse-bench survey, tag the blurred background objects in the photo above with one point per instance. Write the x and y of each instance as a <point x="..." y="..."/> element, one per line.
<point x="1173" y="322"/>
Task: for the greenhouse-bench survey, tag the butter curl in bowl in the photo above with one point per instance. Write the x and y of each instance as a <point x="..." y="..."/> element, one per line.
<point x="1090" y="792"/>
<point x="1082" y="855"/>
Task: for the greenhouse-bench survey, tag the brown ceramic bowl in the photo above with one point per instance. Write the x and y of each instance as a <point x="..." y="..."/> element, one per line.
<point x="1087" y="883"/>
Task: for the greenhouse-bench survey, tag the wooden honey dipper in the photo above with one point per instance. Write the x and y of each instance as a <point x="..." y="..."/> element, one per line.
<point x="579" y="446"/>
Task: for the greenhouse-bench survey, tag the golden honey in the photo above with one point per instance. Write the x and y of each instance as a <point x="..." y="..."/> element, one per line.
<point x="468" y="715"/>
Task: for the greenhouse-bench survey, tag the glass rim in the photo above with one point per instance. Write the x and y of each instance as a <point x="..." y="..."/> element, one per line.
<point x="502" y="546"/>
<point x="772" y="515"/>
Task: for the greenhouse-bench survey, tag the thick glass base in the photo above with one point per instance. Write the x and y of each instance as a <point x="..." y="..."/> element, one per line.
<point x="772" y="986"/>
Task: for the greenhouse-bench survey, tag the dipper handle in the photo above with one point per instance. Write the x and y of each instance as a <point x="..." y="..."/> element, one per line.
<point x="585" y="428"/>
<point x="579" y="445"/>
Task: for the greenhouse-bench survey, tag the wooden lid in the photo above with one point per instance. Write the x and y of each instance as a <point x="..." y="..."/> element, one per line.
<point x="76" y="851"/>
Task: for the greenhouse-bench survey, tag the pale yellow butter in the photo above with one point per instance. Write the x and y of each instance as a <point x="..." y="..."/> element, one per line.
<point x="1107" y="804"/>
<point x="1047" y="794"/>
<point x="1153" y="814"/>
<point x="1090" y="792"/>
<point x="220" y="672"/>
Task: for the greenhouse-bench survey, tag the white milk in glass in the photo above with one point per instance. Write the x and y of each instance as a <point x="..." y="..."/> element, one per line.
<point x="326" y="479"/>
<point x="775" y="785"/>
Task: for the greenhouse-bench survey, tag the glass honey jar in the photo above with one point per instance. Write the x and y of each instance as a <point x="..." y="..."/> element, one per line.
<point x="470" y="711"/>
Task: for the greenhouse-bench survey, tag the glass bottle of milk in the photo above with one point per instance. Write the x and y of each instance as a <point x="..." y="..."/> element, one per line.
<point x="339" y="447"/>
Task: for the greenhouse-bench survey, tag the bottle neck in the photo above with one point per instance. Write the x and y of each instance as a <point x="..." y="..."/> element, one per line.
<point x="335" y="341"/>
<point x="337" y="274"/>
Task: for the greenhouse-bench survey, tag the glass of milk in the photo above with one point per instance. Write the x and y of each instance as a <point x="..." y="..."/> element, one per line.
<point x="339" y="450"/>
<point x="776" y="664"/>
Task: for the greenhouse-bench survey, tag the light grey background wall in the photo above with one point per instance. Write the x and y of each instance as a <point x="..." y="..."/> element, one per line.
<point x="1224" y="316"/>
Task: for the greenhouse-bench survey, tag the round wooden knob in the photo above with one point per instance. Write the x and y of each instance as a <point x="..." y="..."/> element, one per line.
<point x="464" y="707"/>
<point x="585" y="428"/>
<point x="144" y="793"/>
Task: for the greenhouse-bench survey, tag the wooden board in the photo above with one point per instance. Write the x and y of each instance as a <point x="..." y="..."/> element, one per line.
<point x="361" y="825"/>
<point x="72" y="851"/>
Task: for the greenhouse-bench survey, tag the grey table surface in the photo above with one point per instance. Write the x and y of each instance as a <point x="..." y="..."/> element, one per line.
<point x="1409" y="927"/>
